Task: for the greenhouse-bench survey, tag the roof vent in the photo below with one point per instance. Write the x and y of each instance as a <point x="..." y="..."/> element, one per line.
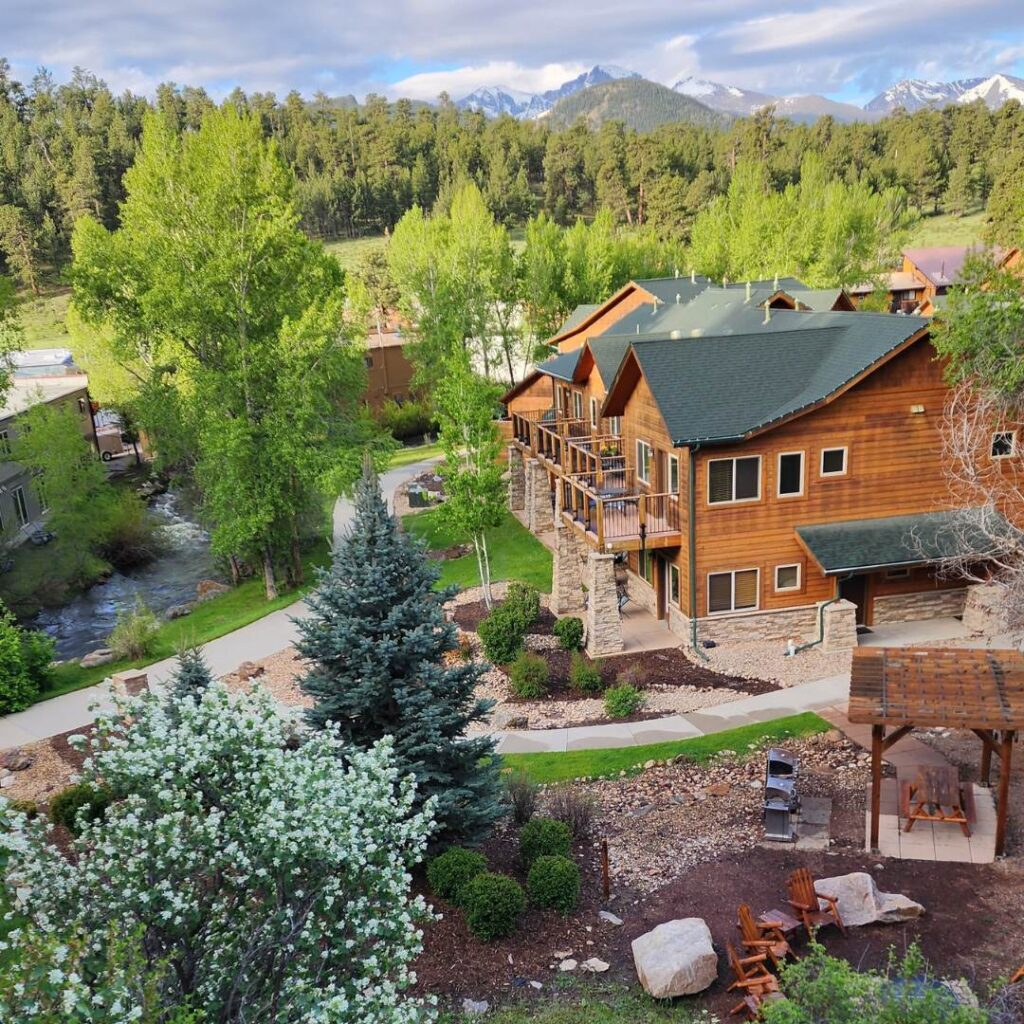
<point x="776" y="282"/>
<point x="679" y="298"/>
<point x="767" y="313"/>
<point x="693" y="276"/>
<point x="675" y="334"/>
<point x="637" y="328"/>
<point x="675" y="272"/>
<point x="696" y="332"/>
<point x="748" y="291"/>
<point x="725" y="281"/>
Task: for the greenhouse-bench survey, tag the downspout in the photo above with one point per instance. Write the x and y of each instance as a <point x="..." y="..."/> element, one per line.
<point x="821" y="620"/>
<point x="691" y="527"/>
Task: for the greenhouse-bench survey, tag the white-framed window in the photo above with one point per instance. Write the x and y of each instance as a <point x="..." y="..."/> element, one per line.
<point x="5" y="443"/>
<point x="734" y="591"/>
<point x="674" y="589"/>
<point x="790" y="475"/>
<point x="787" y="577"/>
<point x="897" y="574"/>
<point x="615" y="425"/>
<point x="20" y="505"/>
<point x="1004" y="444"/>
<point x="645" y="562"/>
<point x="833" y="461"/>
<point x="644" y="461"/>
<point x="368" y="362"/>
<point x="731" y="480"/>
<point x="577" y="405"/>
<point x="673" y="475"/>
<point x="593" y="413"/>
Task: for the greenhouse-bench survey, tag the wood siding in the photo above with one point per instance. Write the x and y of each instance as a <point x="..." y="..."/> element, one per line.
<point x="618" y="306"/>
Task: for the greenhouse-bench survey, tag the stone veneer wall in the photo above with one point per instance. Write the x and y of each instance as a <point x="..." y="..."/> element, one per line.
<point x="604" y="624"/>
<point x="539" y="513"/>
<point x="641" y="592"/>
<point x="797" y="624"/>
<point x="931" y="604"/>
<point x="516" y="479"/>
<point x="566" y="572"/>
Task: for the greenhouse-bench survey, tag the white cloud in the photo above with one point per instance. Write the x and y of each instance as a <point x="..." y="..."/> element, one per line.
<point x="461" y="81"/>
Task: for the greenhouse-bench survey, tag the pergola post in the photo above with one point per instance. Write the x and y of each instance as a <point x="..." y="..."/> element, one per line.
<point x="1005" y="759"/>
<point x="877" y="738"/>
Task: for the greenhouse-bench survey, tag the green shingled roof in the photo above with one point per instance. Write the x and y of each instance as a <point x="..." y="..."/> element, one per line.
<point x="577" y="316"/>
<point x="668" y="289"/>
<point x="928" y="538"/>
<point x="561" y="366"/>
<point x="719" y="388"/>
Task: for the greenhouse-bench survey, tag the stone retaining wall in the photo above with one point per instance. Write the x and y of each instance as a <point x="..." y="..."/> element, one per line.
<point x="930" y="604"/>
<point x="641" y="592"/>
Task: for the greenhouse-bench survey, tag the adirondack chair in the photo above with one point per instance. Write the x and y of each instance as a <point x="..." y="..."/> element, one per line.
<point x="804" y="899"/>
<point x="762" y="936"/>
<point x="1018" y="975"/>
<point x="754" y="980"/>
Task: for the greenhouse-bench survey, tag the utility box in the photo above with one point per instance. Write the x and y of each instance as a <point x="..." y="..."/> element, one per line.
<point x="781" y="799"/>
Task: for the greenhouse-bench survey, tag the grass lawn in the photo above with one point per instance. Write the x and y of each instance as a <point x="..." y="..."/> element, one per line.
<point x="599" y="1004"/>
<point x="43" y="317"/>
<point x="349" y="251"/>
<point x="407" y="456"/>
<point x="515" y="553"/>
<point x="238" y="607"/>
<point x="578" y="764"/>
<point x="943" y="229"/>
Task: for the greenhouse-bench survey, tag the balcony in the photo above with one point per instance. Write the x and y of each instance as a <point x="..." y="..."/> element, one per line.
<point x="568" y="445"/>
<point x="615" y="512"/>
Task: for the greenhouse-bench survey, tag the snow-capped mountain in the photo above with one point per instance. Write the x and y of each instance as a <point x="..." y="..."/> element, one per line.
<point x="916" y="93"/>
<point x="495" y="100"/>
<point x="995" y="91"/>
<point x="730" y="98"/>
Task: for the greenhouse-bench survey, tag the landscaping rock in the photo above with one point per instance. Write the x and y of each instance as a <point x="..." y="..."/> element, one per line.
<point x="567" y="965"/>
<point x="609" y="918"/>
<point x="101" y="656"/>
<point x="17" y="760"/>
<point x="508" y="718"/>
<point x="249" y="670"/>
<point x="719" y="789"/>
<point x="7" y="782"/>
<point x="861" y="901"/>
<point x="475" y="1006"/>
<point x="179" y="611"/>
<point x="594" y="965"/>
<point x="205" y="589"/>
<point x="676" y="958"/>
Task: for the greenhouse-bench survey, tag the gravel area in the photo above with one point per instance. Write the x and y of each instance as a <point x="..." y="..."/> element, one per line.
<point x="766" y="659"/>
<point x="49" y="774"/>
<point x="277" y="673"/>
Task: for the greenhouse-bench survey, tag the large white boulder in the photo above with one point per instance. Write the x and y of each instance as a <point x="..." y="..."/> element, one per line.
<point x="676" y="958"/>
<point x="861" y="902"/>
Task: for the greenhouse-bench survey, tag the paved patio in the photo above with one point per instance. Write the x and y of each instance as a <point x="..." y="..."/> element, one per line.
<point x="641" y="631"/>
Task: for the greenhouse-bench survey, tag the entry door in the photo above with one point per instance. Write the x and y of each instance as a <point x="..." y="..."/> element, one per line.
<point x="855" y="590"/>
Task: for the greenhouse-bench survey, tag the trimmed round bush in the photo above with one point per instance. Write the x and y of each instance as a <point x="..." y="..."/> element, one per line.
<point x="522" y="602"/>
<point x="528" y="676"/>
<point x="569" y="632"/>
<point x="65" y="806"/>
<point x="450" y="872"/>
<point x="501" y="635"/>
<point x="544" y="837"/>
<point x="584" y="675"/>
<point x="622" y="701"/>
<point x="554" y="882"/>
<point x="492" y="905"/>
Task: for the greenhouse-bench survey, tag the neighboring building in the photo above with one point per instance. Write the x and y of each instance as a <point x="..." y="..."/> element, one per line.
<point x="754" y="465"/>
<point x="22" y="499"/>
<point x="388" y="366"/>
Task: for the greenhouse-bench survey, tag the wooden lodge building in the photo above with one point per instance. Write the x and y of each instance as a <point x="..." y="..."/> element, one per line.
<point x="759" y="460"/>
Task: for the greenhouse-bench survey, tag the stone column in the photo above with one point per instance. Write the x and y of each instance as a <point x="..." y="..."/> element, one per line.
<point x="839" y="628"/>
<point x="538" y="498"/>
<point x="567" y="574"/>
<point x="516" y="479"/>
<point x="604" y="623"/>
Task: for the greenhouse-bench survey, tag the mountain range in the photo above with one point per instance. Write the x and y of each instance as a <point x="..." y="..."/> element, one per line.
<point x="910" y="94"/>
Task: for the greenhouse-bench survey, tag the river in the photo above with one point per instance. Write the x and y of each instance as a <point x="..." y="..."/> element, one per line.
<point x="84" y="624"/>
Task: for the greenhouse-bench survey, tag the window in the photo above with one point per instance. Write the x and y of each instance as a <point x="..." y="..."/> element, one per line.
<point x="833" y="462"/>
<point x="645" y="562"/>
<point x="791" y="474"/>
<point x="734" y="480"/>
<point x="644" y="458"/>
<point x="593" y="413"/>
<point x="673" y="475"/>
<point x="20" y="507"/>
<point x="577" y="405"/>
<point x="897" y="574"/>
<point x="732" y="591"/>
<point x="787" y="577"/>
<point x="5" y="443"/>
<point x="673" y="583"/>
<point x="368" y="362"/>
<point x="1004" y="444"/>
<point x="615" y="425"/>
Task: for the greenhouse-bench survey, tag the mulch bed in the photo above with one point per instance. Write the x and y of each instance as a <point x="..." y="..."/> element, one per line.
<point x="447" y="554"/>
<point x="469" y="616"/>
<point x="75" y="758"/>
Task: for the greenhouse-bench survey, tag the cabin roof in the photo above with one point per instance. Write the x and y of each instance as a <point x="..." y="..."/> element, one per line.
<point x="561" y="366"/>
<point x="928" y="538"/>
<point x="577" y="316"/>
<point x="665" y="289"/>
<point x="722" y="387"/>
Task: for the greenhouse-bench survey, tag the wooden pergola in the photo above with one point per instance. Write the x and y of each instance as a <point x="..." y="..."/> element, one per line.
<point x="903" y="688"/>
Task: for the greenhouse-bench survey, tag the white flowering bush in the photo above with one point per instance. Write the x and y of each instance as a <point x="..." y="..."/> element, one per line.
<point x="267" y="879"/>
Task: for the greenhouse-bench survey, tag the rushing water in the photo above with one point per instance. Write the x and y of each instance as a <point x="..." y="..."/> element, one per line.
<point x="170" y="579"/>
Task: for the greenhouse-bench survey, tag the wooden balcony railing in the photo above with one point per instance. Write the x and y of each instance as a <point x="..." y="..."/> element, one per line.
<point x="595" y="453"/>
<point x="524" y="426"/>
<point x="615" y="515"/>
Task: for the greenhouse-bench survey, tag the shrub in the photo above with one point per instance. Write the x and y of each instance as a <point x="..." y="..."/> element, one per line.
<point x="27" y="807"/>
<point x="410" y="419"/>
<point x="528" y="676"/>
<point x="134" y="631"/>
<point x="129" y="538"/>
<point x="631" y="676"/>
<point x="37" y="655"/>
<point x="572" y="806"/>
<point x="570" y="633"/>
<point x="501" y="636"/>
<point x="584" y="675"/>
<point x="544" y="837"/>
<point x="522" y="795"/>
<point x="622" y="701"/>
<point x="450" y="872"/>
<point x="554" y="882"/>
<point x="82" y="797"/>
<point x="17" y="688"/>
<point x="522" y="601"/>
<point x="492" y="904"/>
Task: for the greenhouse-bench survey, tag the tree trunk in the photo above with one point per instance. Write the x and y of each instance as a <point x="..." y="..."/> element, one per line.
<point x="236" y="572"/>
<point x="268" y="573"/>
<point x="484" y="570"/>
<point x="296" y="556"/>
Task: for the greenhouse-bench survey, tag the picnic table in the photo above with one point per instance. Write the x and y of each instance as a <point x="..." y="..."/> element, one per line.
<point x="936" y="795"/>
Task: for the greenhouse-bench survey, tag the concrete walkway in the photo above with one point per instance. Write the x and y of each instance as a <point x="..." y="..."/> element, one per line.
<point x="249" y="643"/>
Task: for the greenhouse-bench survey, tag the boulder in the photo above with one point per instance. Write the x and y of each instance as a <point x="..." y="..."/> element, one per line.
<point x="101" y="656"/>
<point x="205" y="589"/>
<point x="249" y="670"/>
<point x="474" y="1007"/>
<point x="609" y="918"/>
<point x="179" y="611"/>
<point x="861" y="901"/>
<point x="595" y="965"/>
<point x="17" y="760"/>
<point x="676" y="958"/>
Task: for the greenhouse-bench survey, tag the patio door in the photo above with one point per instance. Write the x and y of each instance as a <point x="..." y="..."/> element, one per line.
<point x="855" y="590"/>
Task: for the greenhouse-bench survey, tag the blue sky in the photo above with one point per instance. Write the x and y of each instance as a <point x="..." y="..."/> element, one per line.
<point x="846" y="49"/>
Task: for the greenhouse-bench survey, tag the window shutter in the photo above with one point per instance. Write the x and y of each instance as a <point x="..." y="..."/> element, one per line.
<point x="720" y="480"/>
<point x="746" y="589"/>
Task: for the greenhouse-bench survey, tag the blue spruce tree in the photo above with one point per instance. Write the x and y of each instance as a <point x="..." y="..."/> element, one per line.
<point x="192" y="676"/>
<point x="377" y="641"/>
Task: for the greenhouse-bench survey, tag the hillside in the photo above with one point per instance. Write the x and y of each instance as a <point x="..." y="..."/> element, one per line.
<point x="636" y="102"/>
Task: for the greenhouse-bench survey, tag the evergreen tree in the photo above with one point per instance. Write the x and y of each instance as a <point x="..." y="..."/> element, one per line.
<point x="377" y="640"/>
<point x="192" y="676"/>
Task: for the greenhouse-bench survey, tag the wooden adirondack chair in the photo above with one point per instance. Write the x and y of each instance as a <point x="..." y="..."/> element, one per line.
<point x="1018" y="975"/>
<point x="762" y="936"/>
<point x="804" y="899"/>
<point x="754" y="980"/>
